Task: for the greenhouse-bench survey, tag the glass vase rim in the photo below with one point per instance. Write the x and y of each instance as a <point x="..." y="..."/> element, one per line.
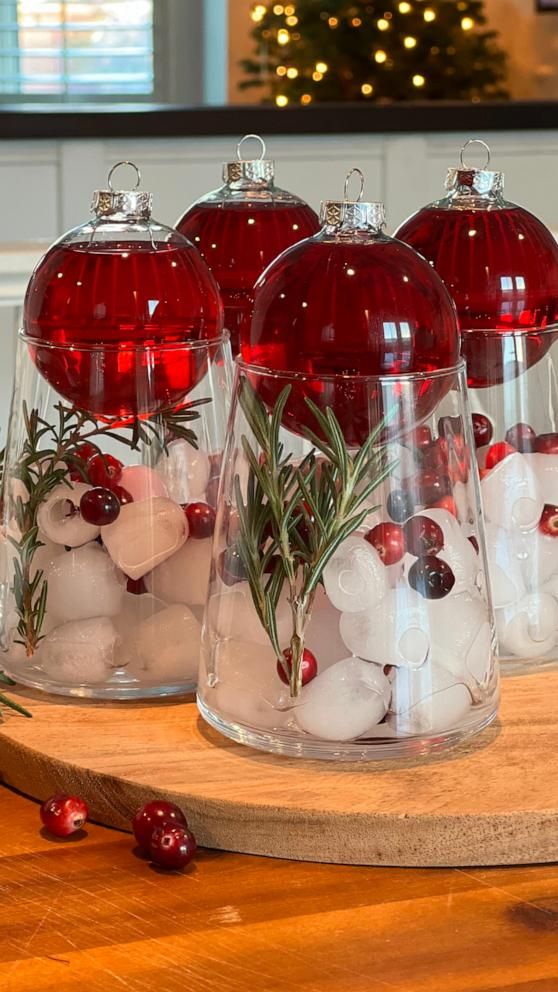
<point x="335" y="377"/>
<point x="199" y="344"/>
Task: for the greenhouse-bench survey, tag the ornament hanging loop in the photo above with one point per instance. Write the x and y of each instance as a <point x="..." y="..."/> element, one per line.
<point x="348" y="177"/>
<point x="475" y="141"/>
<point x="117" y="166"/>
<point x="248" y="137"/>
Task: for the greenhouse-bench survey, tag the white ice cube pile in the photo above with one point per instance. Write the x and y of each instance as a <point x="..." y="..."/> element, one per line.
<point x="523" y="560"/>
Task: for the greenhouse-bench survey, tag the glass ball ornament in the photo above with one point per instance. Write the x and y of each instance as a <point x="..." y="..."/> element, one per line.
<point x="135" y="287"/>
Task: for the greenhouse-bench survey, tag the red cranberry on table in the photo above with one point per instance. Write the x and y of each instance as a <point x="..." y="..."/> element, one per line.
<point x="423" y="536"/>
<point x="231" y="567"/>
<point x="99" y="506"/>
<point x="172" y="846"/>
<point x="308" y="667"/>
<point x="389" y="541"/>
<point x="400" y="505"/>
<point x="547" y="444"/>
<point x="63" y="815"/>
<point x="496" y="453"/>
<point x="522" y="437"/>
<point x="155" y="814"/>
<point x="431" y="577"/>
<point x="104" y="470"/>
<point x="548" y="523"/>
<point x="201" y="519"/>
<point x="482" y="430"/>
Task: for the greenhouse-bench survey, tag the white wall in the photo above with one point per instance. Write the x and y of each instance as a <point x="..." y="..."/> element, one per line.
<point x="45" y="187"/>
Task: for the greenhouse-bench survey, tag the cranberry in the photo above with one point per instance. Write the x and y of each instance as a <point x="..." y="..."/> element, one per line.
<point x="99" y="507"/>
<point x="62" y="815"/>
<point x="308" y="667"/>
<point x="421" y="437"/>
<point x="496" y="453"/>
<point x="389" y="541"/>
<point x="548" y="523"/>
<point x="172" y="846"/>
<point x="431" y="577"/>
<point x="446" y="503"/>
<point x="423" y="536"/>
<point x="85" y="451"/>
<point x="231" y="567"/>
<point x="136" y="587"/>
<point x="104" y="470"/>
<point x="450" y="425"/>
<point x="547" y="444"/>
<point x="436" y="455"/>
<point x="155" y="814"/>
<point x="522" y="437"/>
<point x="482" y="430"/>
<point x="212" y="490"/>
<point x="400" y="505"/>
<point x="201" y="519"/>
<point x="474" y="542"/>
<point x="122" y="495"/>
<point x="432" y="486"/>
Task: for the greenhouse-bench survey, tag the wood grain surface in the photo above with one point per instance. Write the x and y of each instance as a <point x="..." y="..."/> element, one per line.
<point x="89" y="915"/>
<point x="491" y="801"/>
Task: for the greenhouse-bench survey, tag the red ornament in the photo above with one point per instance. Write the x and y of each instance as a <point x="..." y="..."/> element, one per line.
<point x="63" y="815"/>
<point x="389" y="541"/>
<point x="152" y="815"/>
<point x="351" y="302"/>
<point x="308" y="667"/>
<point x="240" y="228"/>
<point x="113" y="295"/>
<point x="500" y="264"/>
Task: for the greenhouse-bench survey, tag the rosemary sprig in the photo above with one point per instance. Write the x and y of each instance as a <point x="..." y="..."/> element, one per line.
<point x="294" y="516"/>
<point x="49" y="452"/>
<point x="5" y="701"/>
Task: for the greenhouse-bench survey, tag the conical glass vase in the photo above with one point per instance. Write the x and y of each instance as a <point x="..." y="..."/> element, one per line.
<point x="107" y="521"/>
<point x="348" y="614"/>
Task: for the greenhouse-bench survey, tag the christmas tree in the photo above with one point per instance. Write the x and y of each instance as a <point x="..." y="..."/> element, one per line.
<point x="331" y="50"/>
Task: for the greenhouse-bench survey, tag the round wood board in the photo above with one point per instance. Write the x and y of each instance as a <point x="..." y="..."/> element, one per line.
<point x="492" y="801"/>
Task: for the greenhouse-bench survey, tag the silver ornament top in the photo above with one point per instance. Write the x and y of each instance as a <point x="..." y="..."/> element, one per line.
<point x="256" y="170"/>
<point x="468" y="180"/>
<point x="356" y="215"/>
<point x="133" y="203"/>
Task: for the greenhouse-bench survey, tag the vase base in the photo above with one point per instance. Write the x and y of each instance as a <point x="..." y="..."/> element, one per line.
<point x="117" y="688"/>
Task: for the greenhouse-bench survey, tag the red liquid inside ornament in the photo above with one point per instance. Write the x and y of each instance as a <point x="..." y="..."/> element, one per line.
<point x="238" y="241"/>
<point x="331" y="308"/>
<point x="138" y="299"/>
<point x="501" y="267"/>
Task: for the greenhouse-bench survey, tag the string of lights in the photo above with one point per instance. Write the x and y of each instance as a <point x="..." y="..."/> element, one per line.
<point x="313" y="50"/>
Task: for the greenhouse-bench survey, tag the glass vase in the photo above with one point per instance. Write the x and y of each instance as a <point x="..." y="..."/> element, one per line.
<point x="348" y="614"/>
<point x="107" y="522"/>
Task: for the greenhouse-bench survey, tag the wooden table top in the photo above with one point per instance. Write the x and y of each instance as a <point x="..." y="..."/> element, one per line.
<point x="90" y="915"/>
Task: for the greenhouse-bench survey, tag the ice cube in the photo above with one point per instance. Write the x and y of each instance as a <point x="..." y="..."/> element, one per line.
<point x="538" y="557"/>
<point x="133" y="611"/>
<point x="503" y="549"/>
<point x="185" y="471"/>
<point x="355" y="577"/>
<point x="344" y="702"/>
<point x="233" y="614"/>
<point x="511" y="495"/>
<point x="142" y="482"/>
<point x="80" y="652"/>
<point x="429" y="701"/>
<point x="457" y="551"/>
<point x="395" y="632"/>
<point x="461" y="636"/>
<point x="84" y="583"/>
<point x="244" y="684"/>
<point x="545" y="468"/>
<point x="145" y="534"/>
<point x="530" y="628"/>
<point x="322" y="636"/>
<point x="168" y="644"/>
<point x="184" y="577"/>
<point x="60" y="520"/>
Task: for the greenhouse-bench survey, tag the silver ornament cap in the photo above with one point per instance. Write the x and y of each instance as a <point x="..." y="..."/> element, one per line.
<point x="466" y="180"/>
<point x="255" y="170"/>
<point x="133" y="203"/>
<point x="356" y="215"/>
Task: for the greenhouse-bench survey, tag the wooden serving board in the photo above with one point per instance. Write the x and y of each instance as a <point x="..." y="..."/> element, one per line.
<point x="492" y="801"/>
